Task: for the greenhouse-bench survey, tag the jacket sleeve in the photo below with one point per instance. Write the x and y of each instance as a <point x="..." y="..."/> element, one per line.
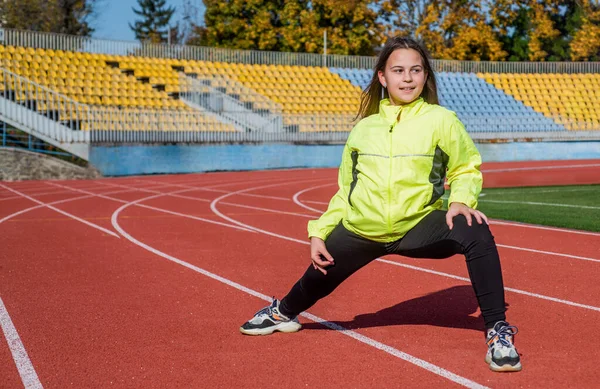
<point x="464" y="177"/>
<point x="322" y="227"/>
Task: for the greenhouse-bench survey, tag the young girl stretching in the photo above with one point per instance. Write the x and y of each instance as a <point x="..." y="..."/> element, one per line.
<point x="391" y="182"/>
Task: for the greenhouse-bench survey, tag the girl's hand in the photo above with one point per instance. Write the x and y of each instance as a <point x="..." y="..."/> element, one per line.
<point x="319" y="255"/>
<point x="461" y="209"/>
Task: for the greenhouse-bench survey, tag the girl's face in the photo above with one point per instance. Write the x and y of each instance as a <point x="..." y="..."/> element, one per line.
<point x="404" y="76"/>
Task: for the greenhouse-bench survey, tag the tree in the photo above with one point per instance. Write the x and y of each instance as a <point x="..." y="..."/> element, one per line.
<point x="585" y="45"/>
<point x="537" y="30"/>
<point x="72" y="16"/>
<point x="155" y="24"/>
<point x="403" y="17"/>
<point x="292" y="25"/>
<point x="241" y="24"/>
<point x="454" y="29"/>
<point x="60" y="16"/>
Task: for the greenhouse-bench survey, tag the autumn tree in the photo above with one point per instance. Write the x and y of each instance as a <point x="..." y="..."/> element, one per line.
<point x="154" y="25"/>
<point x="403" y="17"/>
<point x="59" y="16"/>
<point x="585" y="45"/>
<point x="452" y="29"/>
<point x="292" y="25"/>
<point x="536" y="30"/>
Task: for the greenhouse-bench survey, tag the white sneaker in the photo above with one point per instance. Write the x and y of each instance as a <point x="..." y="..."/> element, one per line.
<point x="502" y="354"/>
<point x="268" y="320"/>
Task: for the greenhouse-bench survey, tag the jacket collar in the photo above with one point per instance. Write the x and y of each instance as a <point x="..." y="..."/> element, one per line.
<point x="389" y="112"/>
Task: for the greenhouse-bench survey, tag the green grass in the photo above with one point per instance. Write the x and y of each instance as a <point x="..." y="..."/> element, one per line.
<point x="575" y="207"/>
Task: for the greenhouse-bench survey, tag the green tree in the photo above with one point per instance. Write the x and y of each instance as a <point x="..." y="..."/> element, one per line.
<point x="155" y="21"/>
<point x="60" y="16"/>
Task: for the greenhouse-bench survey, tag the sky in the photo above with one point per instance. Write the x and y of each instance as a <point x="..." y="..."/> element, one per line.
<point x="113" y="17"/>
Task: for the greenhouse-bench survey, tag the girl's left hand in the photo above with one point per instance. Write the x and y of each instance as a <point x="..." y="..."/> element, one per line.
<point x="461" y="209"/>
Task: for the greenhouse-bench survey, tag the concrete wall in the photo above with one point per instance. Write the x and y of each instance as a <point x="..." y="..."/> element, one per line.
<point x="160" y="159"/>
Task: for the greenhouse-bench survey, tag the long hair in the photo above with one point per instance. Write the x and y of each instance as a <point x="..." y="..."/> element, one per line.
<point x="371" y="96"/>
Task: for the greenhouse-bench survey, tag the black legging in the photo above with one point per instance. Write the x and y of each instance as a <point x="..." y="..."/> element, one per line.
<point x="430" y="238"/>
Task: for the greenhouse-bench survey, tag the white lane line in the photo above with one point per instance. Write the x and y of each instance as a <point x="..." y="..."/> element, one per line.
<point x="156" y="209"/>
<point x="63" y="212"/>
<point x="515" y="169"/>
<point x="549" y="253"/>
<point x="300" y="203"/>
<point x="213" y="207"/>
<point x="523" y="292"/>
<point x="28" y="375"/>
<point x="191" y="188"/>
<point x="242" y="194"/>
<point x="217" y="200"/>
<point x="34" y="194"/>
<point x="528" y="190"/>
<point x="543" y="297"/>
<point x="52" y="203"/>
<point x="538" y="203"/>
<point x="493" y="221"/>
<point x="538" y="227"/>
<point x="361" y="338"/>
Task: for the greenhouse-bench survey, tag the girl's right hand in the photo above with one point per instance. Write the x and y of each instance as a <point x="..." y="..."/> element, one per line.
<point x="319" y="255"/>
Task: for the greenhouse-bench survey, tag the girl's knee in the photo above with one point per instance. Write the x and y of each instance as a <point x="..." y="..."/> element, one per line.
<point x="475" y="231"/>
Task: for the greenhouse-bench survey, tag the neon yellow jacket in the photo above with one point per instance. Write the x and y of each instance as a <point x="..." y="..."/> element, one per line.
<point x="393" y="168"/>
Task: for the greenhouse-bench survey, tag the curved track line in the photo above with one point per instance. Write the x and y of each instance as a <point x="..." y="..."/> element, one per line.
<point x="26" y="371"/>
<point x="297" y="194"/>
<point x="495" y="221"/>
<point x="536" y="295"/>
<point x="243" y="194"/>
<point x="361" y="338"/>
<point x="63" y="212"/>
<point x="310" y="216"/>
<point x="226" y="203"/>
<point x="159" y="209"/>
<point x="213" y="207"/>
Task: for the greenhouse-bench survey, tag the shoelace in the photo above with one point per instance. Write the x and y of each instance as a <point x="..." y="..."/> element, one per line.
<point x="266" y="310"/>
<point x="502" y="334"/>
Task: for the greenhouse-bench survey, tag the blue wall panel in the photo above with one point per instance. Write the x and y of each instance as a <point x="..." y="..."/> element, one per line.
<point x="145" y="159"/>
<point x="161" y="159"/>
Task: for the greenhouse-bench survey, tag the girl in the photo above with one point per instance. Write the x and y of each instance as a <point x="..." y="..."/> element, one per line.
<point x="391" y="181"/>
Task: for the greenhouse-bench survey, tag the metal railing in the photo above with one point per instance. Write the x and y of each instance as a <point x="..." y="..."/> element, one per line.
<point x="115" y="125"/>
<point x="113" y="47"/>
<point x="245" y="109"/>
<point x="43" y="111"/>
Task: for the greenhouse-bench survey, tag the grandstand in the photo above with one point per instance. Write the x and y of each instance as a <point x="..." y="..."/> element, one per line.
<point x="69" y="92"/>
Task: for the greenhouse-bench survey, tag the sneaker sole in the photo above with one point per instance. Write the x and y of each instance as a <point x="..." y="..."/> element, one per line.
<point x="503" y="368"/>
<point x="288" y="327"/>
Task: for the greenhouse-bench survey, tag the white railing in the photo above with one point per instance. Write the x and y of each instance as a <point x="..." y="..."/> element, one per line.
<point x="43" y="113"/>
<point x="245" y="109"/>
<point x="115" y="125"/>
<point x="105" y="46"/>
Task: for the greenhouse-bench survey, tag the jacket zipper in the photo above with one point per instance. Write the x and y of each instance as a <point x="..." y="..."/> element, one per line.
<point x="390" y="174"/>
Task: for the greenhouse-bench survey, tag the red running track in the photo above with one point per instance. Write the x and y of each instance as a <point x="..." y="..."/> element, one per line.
<point x="144" y="281"/>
